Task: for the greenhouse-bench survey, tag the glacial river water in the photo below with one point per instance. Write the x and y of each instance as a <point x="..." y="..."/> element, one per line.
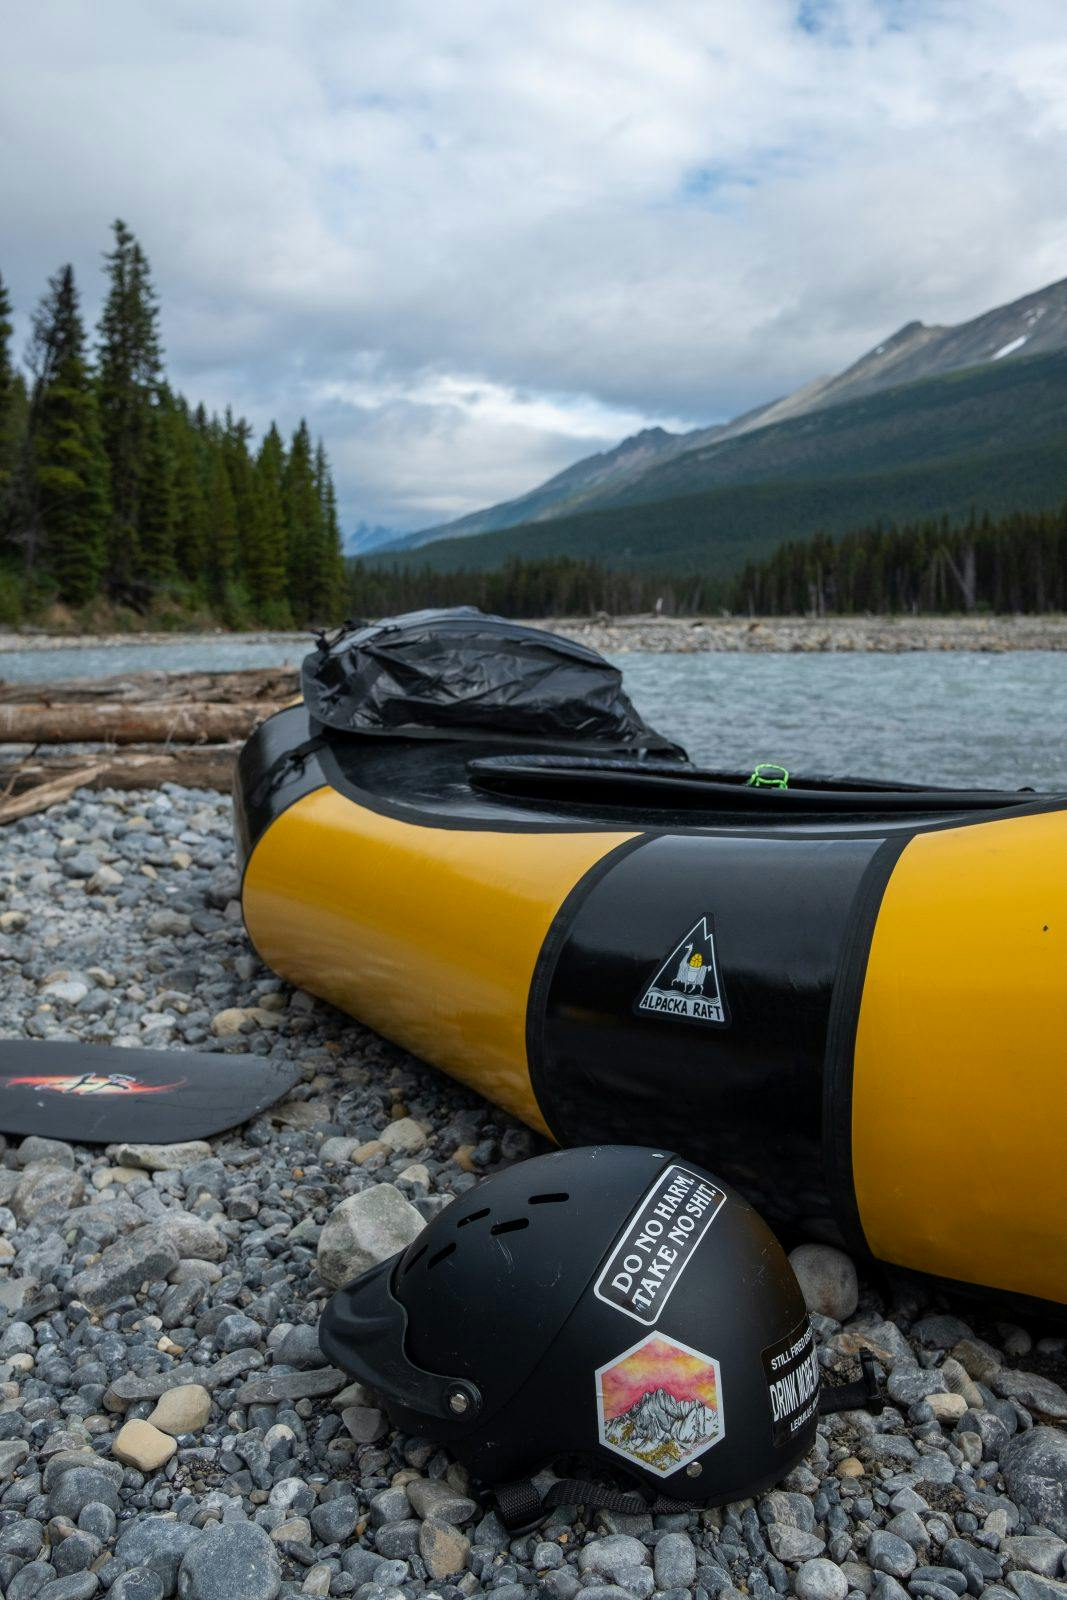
<point x="936" y="717"/>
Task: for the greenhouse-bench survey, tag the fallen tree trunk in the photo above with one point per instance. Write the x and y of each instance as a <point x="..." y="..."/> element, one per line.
<point x="125" y="723"/>
<point x="247" y="686"/>
<point x="192" y="766"/>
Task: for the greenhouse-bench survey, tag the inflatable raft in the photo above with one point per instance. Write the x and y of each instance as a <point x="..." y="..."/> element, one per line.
<point x="845" y="997"/>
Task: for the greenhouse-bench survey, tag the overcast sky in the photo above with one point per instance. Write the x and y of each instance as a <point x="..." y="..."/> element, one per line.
<point x="475" y="241"/>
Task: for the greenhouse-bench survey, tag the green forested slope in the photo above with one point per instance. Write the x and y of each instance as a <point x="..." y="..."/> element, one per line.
<point x="976" y="411"/>
<point x="717" y="531"/>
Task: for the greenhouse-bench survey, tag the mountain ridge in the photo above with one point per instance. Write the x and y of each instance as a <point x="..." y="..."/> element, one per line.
<point x="1034" y="324"/>
<point x="992" y="438"/>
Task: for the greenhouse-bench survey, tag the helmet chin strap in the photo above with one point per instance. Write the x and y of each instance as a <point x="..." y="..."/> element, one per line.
<point x="521" y="1505"/>
<point x="863" y="1395"/>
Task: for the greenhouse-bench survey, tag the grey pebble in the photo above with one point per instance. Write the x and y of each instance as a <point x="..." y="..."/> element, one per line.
<point x="335" y="1520"/>
<point x="76" y="1586"/>
<point x="886" y="1552"/>
<point x="81" y="1487"/>
<point x="794" y="1544"/>
<point x="158" y="1543"/>
<point x="435" y="1499"/>
<point x="237" y="1561"/>
<point x="1035" y="1470"/>
<point x="675" y="1561"/>
<point x="561" y="1584"/>
<point x="618" y="1551"/>
<point x="144" y="1256"/>
<point x="1029" y="1586"/>
<point x="821" y="1580"/>
<point x="300" y="1348"/>
<point x="399" y="1540"/>
<point x="945" y="1577"/>
<point x="139" y="1584"/>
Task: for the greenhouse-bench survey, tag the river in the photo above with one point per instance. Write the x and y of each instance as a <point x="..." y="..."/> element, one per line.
<point x="953" y="717"/>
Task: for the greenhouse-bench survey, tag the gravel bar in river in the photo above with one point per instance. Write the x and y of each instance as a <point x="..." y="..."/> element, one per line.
<point x="167" y="1425"/>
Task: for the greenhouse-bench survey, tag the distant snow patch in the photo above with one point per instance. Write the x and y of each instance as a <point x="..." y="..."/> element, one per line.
<point x="1007" y="349"/>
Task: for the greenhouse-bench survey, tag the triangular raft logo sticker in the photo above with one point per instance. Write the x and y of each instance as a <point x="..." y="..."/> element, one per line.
<point x="689" y="985"/>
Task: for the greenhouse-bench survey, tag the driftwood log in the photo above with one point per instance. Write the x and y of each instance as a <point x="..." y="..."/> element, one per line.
<point x="125" y="723"/>
<point x="196" y="767"/>
<point x="135" y="731"/>
<point x="43" y="795"/>
<point x="274" y="686"/>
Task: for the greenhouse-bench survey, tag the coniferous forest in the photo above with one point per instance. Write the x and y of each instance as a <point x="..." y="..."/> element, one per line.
<point x="120" y="500"/>
<point x="1011" y="564"/>
<point x="1017" y="563"/>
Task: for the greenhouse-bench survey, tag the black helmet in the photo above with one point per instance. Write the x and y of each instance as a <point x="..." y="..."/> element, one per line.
<point x="611" y="1304"/>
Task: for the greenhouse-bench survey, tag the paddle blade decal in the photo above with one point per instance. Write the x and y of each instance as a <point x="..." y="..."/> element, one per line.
<point x="96" y="1094"/>
<point x="92" y="1083"/>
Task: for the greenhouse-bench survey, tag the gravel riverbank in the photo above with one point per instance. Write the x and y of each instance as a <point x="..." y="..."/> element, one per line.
<point x="813" y="635"/>
<point x="166" y="1422"/>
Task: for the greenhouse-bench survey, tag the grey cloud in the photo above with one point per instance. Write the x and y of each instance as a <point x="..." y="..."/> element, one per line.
<point x="338" y="196"/>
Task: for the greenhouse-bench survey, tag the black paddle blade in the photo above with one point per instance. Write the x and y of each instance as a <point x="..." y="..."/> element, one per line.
<point x="94" y="1094"/>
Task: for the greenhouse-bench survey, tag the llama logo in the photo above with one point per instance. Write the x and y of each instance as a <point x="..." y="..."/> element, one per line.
<point x="660" y="1404"/>
<point x="688" y="984"/>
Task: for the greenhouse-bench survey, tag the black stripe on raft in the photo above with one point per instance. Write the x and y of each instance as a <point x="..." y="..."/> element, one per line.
<point x="839" y="1067"/>
<point x="743" y="1094"/>
<point x="545" y="971"/>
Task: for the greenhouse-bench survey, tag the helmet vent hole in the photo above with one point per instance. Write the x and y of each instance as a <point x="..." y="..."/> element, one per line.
<point x="440" y="1256"/>
<point x="548" y="1199"/>
<point x="474" y="1216"/>
<point x="510" y="1227"/>
<point x="419" y="1253"/>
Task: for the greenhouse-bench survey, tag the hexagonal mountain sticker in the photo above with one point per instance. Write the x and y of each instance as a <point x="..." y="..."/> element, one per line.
<point x="660" y="1404"/>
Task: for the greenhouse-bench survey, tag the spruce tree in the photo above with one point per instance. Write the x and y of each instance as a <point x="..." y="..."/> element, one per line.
<point x="7" y="368"/>
<point x="266" y="568"/>
<point x="12" y="405"/>
<point x="222" y="527"/>
<point x="190" y="497"/>
<point x="129" y="370"/>
<point x="239" y="465"/>
<point x="303" y="512"/>
<point x="68" y="489"/>
<point x="328" y="573"/>
<point x="156" y="513"/>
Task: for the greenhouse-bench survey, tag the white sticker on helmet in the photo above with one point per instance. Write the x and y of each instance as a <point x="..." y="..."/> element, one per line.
<point x="792" y="1368"/>
<point x="658" y="1243"/>
<point x="660" y="1404"/>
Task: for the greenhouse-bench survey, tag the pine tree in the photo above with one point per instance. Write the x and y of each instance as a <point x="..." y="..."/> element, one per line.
<point x="266" y="566"/>
<point x="68" y="491"/>
<point x="129" y="370"/>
